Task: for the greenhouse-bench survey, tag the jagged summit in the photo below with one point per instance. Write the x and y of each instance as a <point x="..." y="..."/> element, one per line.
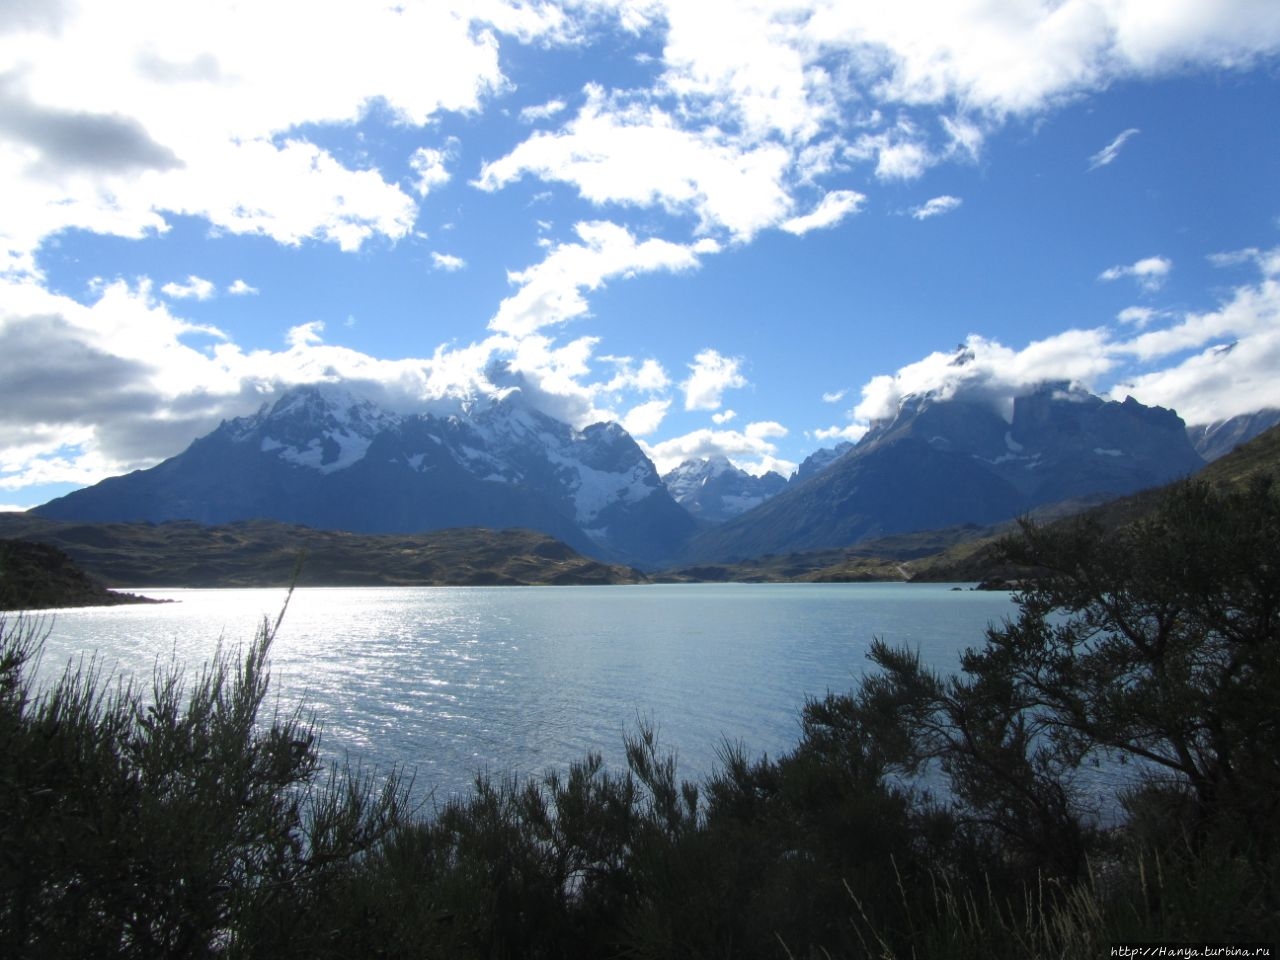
<point x="948" y="461"/>
<point x="715" y="490"/>
<point x="325" y="457"/>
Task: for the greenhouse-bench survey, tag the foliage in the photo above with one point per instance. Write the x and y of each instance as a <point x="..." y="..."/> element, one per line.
<point x="137" y="825"/>
<point x="1155" y="646"/>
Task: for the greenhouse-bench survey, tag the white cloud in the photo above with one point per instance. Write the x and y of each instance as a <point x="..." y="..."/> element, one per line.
<point x="712" y="374"/>
<point x="833" y="208"/>
<point x="754" y="99"/>
<point x="1112" y="150"/>
<point x="447" y="261"/>
<point x="1137" y="316"/>
<point x="765" y="429"/>
<point x="645" y="418"/>
<point x="239" y="288"/>
<point x="1224" y="361"/>
<point x="853" y="432"/>
<point x="723" y="417"/>
<point x="551" y="292"/>
<point x="120" y="154"/>
<point x="636" y="154"/>
<point x="196" y="288"/>
<point x="834" y="396"/>
<point x="431" y="166"/>
<point x="936" y="207"/>
<point x="1150" y="272"/>
<point x="752" y="451"/>
<point x="986" y="368"/>
<point x="1237" y="352"/>
<point x="544" y="111"/>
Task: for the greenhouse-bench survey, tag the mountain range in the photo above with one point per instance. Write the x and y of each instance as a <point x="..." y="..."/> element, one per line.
<point x="325" y="458"/>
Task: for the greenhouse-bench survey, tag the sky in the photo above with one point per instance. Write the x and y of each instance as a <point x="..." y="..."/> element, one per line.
<point x="737" y="227"/>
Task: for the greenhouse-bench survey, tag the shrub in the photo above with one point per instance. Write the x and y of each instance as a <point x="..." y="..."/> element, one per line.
<point x="166" y="824"/>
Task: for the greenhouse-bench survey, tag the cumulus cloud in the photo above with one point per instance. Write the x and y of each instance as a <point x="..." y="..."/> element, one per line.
<point x="240" y="288"/>
<point x="723" y="417"/>
<point x="711" y="375"/>
<point x="986" y="369"/>
<point x="1236" y="351"/>
<point x="618" y="150"/>
<point x="551" y="292"/>
<point x="68" y="140"/>
<point x="195" y="288"/>
<point x="1150" y="272"/>
<point x="935" y="207"/>
<point x="643" y="419"/>
<point x="751" y="449"/>
<point x="833" y="208"/>
<point x="121" y="154"/>
<point x="1136" y="316"/>
<point x="431" y="166"/>
<point x="1224" y="361"/>
<point x="1108" y="153"/>
<point x="543" y="111"/>
<point x="447" y="262"/>
<point x="852" y="432"/>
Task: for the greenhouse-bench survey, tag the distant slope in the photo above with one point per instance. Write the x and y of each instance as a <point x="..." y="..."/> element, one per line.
<point x="37" y="576"/>
<point x="1214" y="440"/>
<point x="266" y="553"/>
<point x="976" y="560"/>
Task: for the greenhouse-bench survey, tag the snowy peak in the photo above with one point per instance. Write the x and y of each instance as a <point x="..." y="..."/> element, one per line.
<point x="715" y="490"/>
<point x="323" y="427"/>
<point x="326" y="458"/>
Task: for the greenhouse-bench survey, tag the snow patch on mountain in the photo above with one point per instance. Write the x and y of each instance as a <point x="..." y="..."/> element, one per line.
<point x="716" y="490"/>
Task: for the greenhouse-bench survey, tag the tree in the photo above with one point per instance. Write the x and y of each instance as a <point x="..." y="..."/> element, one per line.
<point x="1156" y="644"/>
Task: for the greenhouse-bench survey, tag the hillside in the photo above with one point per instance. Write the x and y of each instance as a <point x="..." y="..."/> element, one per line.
<point x="975" y="560"/>
<point x="37" y="576"/>
<point x="266" y="553"/>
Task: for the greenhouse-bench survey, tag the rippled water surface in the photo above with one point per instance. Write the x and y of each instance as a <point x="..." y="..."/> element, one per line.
<point x="449" y="681"/>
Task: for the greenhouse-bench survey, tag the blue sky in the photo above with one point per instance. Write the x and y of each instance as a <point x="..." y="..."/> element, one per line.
<point x="743" y="227"/>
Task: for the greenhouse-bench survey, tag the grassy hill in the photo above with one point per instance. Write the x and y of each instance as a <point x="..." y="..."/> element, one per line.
<point x="37" y="576"/>
<point x="266" y="553"/>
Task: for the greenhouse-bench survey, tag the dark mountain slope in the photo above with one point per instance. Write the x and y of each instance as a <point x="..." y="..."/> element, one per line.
<point x="323" y="458"/>
<point x="952" y="462"/>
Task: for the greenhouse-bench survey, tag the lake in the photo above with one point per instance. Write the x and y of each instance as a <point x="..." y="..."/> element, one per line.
<point x="448" y="681"/>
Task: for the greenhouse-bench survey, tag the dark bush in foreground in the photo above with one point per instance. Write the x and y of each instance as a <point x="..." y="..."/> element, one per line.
<point x="176" y="824"/>
<point x="164" y="824"/>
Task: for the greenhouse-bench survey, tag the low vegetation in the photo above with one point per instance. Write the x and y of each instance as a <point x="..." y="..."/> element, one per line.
<point x="182" y="823"/>
<point x="256" y="553"/>
<point x="37" y="576"/>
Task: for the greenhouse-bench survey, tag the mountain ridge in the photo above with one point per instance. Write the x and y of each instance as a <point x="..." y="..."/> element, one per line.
<point x="326" y="459"/>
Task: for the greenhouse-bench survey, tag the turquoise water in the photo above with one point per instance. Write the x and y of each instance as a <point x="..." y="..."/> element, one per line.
<point x="451" y="681"/>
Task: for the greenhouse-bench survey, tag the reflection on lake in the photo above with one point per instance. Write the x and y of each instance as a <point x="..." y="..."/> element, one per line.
<point x="449" y="681"/>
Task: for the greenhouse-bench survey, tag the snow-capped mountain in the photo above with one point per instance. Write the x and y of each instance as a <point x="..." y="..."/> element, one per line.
<point x="1214" y="440"/>
<point x="715" y="490"/>
<point x="322" y="457"/>
<point x="943" y="462"/>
